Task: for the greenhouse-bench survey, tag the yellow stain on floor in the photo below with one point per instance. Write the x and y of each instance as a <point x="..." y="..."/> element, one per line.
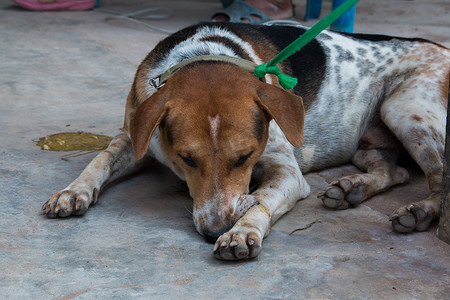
<point x="74" y="141"/>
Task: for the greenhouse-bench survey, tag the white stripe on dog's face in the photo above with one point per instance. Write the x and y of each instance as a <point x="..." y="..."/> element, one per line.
<point x="214" y="127"/>
<point x="214" y="131"/>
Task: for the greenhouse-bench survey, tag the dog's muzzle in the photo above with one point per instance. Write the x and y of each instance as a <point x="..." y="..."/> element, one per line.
<point x="219" y="215"/>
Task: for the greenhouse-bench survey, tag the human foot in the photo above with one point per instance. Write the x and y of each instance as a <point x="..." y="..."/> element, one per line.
<point x="255" y="11"/>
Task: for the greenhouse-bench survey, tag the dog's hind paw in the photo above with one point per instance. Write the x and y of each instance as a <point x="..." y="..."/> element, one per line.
<point x="343" y="193"/>
<point x="409" y="218"/>
<point x="68" y="202"/>
<point x="238" y="244"/>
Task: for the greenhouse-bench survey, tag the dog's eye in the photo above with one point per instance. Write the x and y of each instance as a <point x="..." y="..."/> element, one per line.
<point x="189" y="161"/>
<point x="242" y="160"/>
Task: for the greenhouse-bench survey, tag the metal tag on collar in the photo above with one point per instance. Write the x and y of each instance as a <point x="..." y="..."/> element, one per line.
<point x="156" y="82"/>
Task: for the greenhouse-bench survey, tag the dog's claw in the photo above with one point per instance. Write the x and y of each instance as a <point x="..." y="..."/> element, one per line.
<point x="393" y="217"/>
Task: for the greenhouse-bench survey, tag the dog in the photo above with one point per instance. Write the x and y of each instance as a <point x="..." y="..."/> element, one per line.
<point x="360" y="99"/>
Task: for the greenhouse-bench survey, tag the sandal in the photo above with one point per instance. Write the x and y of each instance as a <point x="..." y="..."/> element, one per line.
<point x="226" y="3"/>
<point x="49" y="5"/>
<point x="239" y="11"/>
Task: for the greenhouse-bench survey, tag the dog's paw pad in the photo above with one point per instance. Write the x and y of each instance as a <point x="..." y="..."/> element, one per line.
<point x="66" y="203"/>
<point x="409" y="218"/>
<point x="333" y="197"/>
<point x="343" y="193"/>
<point x="237" y="245"/>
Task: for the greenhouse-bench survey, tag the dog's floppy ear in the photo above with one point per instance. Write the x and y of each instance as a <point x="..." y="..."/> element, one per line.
<point x="147" y="117"/>
<point x="285" y="108"/>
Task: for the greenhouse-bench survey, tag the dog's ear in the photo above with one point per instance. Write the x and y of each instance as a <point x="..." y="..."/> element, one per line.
<point x="143" y="124"/>
<point x="285" y="108"/>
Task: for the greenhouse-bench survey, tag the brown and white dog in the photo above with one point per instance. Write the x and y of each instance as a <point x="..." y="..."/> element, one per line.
<point x="217" y="126"/>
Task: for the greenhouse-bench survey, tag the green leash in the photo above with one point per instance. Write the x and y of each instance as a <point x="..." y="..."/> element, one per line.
<point x="270" y="67"/>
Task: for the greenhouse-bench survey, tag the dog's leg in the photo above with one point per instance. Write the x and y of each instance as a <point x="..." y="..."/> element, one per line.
<point x="418" y="215"/>
<point x="417" y="117"/>
<point x="115" y="161"/>
<point x="376" y="155"/>
<point x="282" y="185"/>
<point x="354" y="189"/>
<point x="416" y="113"/>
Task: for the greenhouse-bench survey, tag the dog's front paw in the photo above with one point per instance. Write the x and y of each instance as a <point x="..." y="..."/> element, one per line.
<point x="68" y="202"/>
<point x="238" y="243"/>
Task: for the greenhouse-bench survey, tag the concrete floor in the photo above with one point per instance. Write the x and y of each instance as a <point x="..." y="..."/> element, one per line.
<point x="71" y="71"/>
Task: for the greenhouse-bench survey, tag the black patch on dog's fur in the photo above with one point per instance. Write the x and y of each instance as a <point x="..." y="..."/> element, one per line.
<point x="384" y="38"/>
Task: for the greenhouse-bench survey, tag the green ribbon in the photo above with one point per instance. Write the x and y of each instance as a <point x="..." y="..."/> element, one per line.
<point x="288" y="82"/>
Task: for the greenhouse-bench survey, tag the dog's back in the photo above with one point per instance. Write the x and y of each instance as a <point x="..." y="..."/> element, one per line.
<point x="343" y="78"/>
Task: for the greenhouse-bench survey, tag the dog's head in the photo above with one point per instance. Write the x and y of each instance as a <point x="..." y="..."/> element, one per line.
<point x="213" y="124"/>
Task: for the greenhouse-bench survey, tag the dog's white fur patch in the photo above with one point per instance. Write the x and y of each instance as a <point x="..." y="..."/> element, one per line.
<point x="308" y="152"/>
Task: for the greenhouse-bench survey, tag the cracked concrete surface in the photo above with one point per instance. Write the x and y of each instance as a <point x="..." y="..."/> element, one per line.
<point x="71" y="71"/>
